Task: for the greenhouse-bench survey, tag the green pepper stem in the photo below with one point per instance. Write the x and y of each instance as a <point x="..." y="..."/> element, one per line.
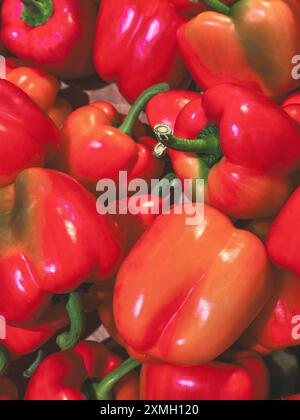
<point x="69" y="339"/>
<point x="208" y="142"/>
<point x="33" y="367"/>
<point x="4" y="359"/>
<point x="37" y="12"/>
<point x="128" y="124"/>
<point x="103" y="390"/>
<point x="218" y="6"/>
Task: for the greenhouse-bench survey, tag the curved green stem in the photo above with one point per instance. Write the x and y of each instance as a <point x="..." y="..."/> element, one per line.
<point x="208" y="142"/>
<point x="103" y="390"/>
<point x="4" y="359"/>
<point x="37" y="12"/>
<point x="33" y="367"/>
<point x="128" y="124"/>
<point x="218" y="6"/>
<point x="68" y="340"/>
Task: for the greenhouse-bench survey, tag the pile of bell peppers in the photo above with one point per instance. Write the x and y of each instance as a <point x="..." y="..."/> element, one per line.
<point x="204" y="311"/>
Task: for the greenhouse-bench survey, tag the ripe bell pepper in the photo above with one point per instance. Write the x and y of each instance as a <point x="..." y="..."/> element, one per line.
<point x="131" y="37"/>
<point x="244" y="377"/>
<point x="61" y="376"/>
<point x="22" y="341"/>
<point x="283" y="242"/>
<point x="75" y="245"/>
<point x="57" y="35"/>
<point x="272" y="329"/>
<point x="175" y="300"/>
<point x="41" y="87"/>
<point x="97" y="145"/>
<point x="292" y="106"/>
<point x="259" y="142"/>
<point x="252" y="41"/>
<point x="35" y="143"/>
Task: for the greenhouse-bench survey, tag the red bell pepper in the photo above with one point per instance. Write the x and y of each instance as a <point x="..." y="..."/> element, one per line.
<point x="131" y="37"/>
<point x="53" y="240"/>
<point x="41" y="87"/>
<point x="295" y="397"/>
<point x="283" y="241"/>
<point x="34" y="143"/>
<point x="57" y="35"/>
<point x="22" y="341"/>
<point x="61" y="376"/>
<point x="273" y="328"/>
<point x="292" y="106"/>
<point x="93" y="148"/>
<point x="259" y="142"/>
<point x="173" y="301"/>
<point x="244" y="377"/>
<point x="252" y="41"/>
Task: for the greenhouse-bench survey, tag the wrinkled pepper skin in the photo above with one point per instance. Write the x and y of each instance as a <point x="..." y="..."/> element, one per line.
<point x="292" y="106"/>
<point x="75" y="245"/>
<point x="36" y="143"/>
<point x="41" y="87"/>
<point x="23" y="341"/>
<point x="8" y="390"/>
<point x="62" y="375"/>
<point x="94" y="149"/>
<point x="131" y="37"/>
<point x="252" y="178"/>
<point x="245" y="377"/>
<point x="273" y="328"/>
<point x="62" y="45"/>
<point x="283" y="242"/>
<point x="254" y="45"/>
<point x="175" y="299"/>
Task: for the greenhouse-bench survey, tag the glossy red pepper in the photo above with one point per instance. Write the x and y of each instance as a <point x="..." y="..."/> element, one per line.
<point x="168" y="301"/>
<point x="61" y="376"/>
<point x="251" y="42"/>
<point x="251" y="180"/>
<point x="292" y="106"/>
<point x="131" y="37"/>
<point x="53" y="240"/>
<point x="36" y="143"/>
<point x="244" y="377"/>
<point x="57" y="35"/>
<point x="283" y="242"/>
<point x="97" y="145"/>
<point x="41" y="87"/>
<point x="22" y="341"/>
<point x="277" y="326"/>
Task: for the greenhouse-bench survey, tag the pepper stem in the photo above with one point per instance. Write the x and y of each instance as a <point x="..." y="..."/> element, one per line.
<point x="4" y="359"/>
<point x="128" y="124"/>
<point x="218" y="6"/>
<point x="37" y="12"/>
<point x="158" y="188"/>
<point x="33" y="367"/>
<point x="69" y="339"/>
<point x="208" y="142"/>
<point x="103" y="390"/>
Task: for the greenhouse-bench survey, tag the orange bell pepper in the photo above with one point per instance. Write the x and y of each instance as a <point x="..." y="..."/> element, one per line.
<point x="41" y="87"/>
<point x="252" y="41"/>
<point x="185" y="293"/>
